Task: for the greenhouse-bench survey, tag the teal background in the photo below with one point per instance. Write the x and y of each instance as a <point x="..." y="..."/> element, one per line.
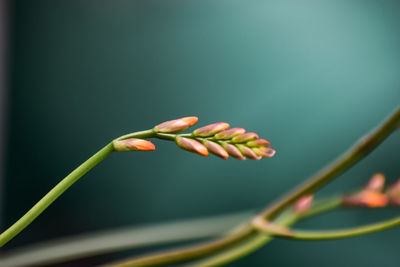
<point x="311" y="76"/>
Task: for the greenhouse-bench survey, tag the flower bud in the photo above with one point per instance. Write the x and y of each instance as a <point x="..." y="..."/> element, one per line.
<point x="376" y="183"/>
<point x="265" y="152"/>
<point x="248" y="152"/>
<point x="192" y="146"/>
<point x="258" y="142"/>
<point x="210" y="130"/>
<point x="228" y="134"/>
<point x="303" y="204"/>
<point x="233" y="151"/>
<point x="133" y="144"/>
<point x="175" y="126"/>
<point x="216" y="149"/>
<point x="244" y="137"/>
<point x="366" y="198"/>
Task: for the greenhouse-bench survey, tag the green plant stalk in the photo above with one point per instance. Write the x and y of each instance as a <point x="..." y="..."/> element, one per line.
<point x="60" y="188"/>
<point x="247" y="233"/>
<point x="286" y="218"/>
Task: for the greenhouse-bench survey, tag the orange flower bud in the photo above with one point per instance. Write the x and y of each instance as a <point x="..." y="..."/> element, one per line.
<point x="211" y="129"/>
<point x="133" y="144"/>
<point x="228" y="134"/>
<point x="303" y="204"/>
<point x="259" y="142"/>
<point x="216" y="149"/>
<point x="233" y="151"/>
<point x="244" y="137"/>
<point x="367" y="198"/>
<point x="175" y="126"/>
<point x="265" y="152"/>
<point x="376" y="183"/>
<point x="192" y="146"/>
<point x="248" y="152"/>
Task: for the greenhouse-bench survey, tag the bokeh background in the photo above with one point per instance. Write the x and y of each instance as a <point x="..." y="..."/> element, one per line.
<point x="311" y="76"/>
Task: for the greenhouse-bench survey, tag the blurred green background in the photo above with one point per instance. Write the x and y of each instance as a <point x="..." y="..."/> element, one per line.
<point x="311" y="76"/>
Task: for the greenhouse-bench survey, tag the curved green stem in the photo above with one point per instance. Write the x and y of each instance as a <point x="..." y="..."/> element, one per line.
<point x="254" y="242"/>
<point x="54" y="193"/>
<point x="57" y="191"/>
<point x="270" y="229"/>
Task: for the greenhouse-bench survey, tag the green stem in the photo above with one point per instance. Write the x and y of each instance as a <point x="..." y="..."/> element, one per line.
<point x="60" y="188"/>
<point x="54" y="193"/>
<point x="256" y="241"/>
<point x="269" y="229"/>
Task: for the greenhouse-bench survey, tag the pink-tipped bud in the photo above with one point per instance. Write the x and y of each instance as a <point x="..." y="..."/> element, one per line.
<point x="244" y="137"/>
<point x="233" y="151"/>
<point x="367" y="198"/>
<point x="192" y="146"/>
<point x="133" y="144"/>
<point x="394" y="193"/>
<point x="210" y="130"/>
<point x="230" y="133"/>
<point x="246" y="151"/>
<point x="303" y="204"/>
<point x="265" y="152"/>
<point x="258" y="142"/>
<point x="376" y="183"/>
<point x="216" y="149"/>
<point x="175" y="126"/>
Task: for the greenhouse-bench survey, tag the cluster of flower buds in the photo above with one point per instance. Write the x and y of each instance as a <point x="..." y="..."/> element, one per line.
<point x="218" y="139"/>
<point x="373" y="194"/>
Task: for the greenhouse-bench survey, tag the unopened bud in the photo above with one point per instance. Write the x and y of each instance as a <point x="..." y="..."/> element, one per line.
<point x="303" y="204"/>
<point x="228" y="134"/>
<point x="265" y="152"/>
<point x="192" y="146"/>
<point x="367" y="198"/>
<point x="175" y="126"/>
<point x="216" y="149"/>
<point x="376" y="183"/>
<point x="233" y="151"/>
<point x="244" y="137"/>
<point x="133" y="144"/>
<point x="210" y="130"/>
<point x="258" y="142"/>
<point x="246" y="151"/>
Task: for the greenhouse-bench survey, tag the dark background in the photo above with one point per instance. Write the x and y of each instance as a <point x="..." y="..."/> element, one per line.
<point x="311" y="76"/>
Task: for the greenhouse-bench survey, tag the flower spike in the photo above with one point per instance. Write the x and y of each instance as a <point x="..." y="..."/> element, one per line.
<point x="133" y="144"/>
<point x="175" y="126"/>
<point x="192" y="146"/>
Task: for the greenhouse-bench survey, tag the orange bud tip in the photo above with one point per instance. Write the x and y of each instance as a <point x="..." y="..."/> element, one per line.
<point x="133" y="144"/>
<point x="376" y="183"/>
<point x="244" y="137"/>
<point x="258" y="142"/>
<point x="228" y="134"/>
<point x="192" y="146"/>
<point x="216" y="149"/>
<point x="210" y="130"/>
<point x="303" y="204"/>
<point x="233" y="151"/>
<point x="175" y="126"/>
